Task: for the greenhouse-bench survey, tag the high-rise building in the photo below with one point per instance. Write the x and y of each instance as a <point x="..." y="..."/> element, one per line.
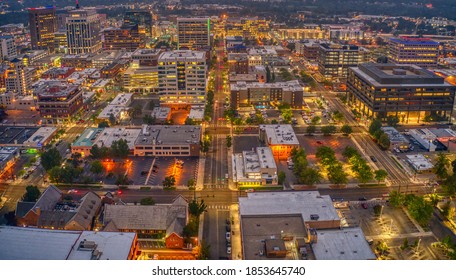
<point x="60" y="42"/>
<point x="43" y="25"/>
<point x="19" y="78"/>
<point x="182" y="77"/>
<point x="407" y="91"/>
<point x="422" y="52"/>
<point x="7" y="47"/>
<point x="83" y="31"/>
<point x="142" y="18"/>
<point x="142" y="75"/>
<point x="193" y="33"/>
<point x="334" y="60"/>
<point x="127" y="37"/>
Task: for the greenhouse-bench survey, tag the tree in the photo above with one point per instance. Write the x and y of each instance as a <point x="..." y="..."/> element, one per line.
<point x="311" y="129"/>
<point x="337" y="175"/>
<point x="441" y="166"/>
<point x="148" y="119"/>
<point x="310" y="176"/>
<point x="103" y="124"/>
<point x="434" y="199"/>
<point x="420" y="210"/>
<point x="147" y="201"/>
<point x="169" y="181"/>
<point x="337" y="116"/>
<point x="349" y="152"/>
<point x="328" y="130"/>
<point x="122" y="179"/>
<point x="204" y="251"/>
<point x="120" y="148"/>
<point x="449" y="184"/>
<point x="69" y="173"/>
<point x="326" y="155"/>
<point x="392" y="120"/>
<point x="50" y="158"/>
<point x="191" y="183"/>
<point x="55" y="174"/>
<point x="189" y="121"/>
<point x="196" y="208"/>
<point x="375" y="126"/>
<point x="281" y="177"/>
<point x="32" y="193"/>
<point x="135" y="111"/>
<point x="112" y="119"/>
<point x="346" y="129"/>
<point x="448" y="210"/>
<point x="396" y="199"/>
<point x="315" y="120"/>
<point x="96" y="167"/>
<point x="384" y="141"/>
<point x="228" y="141"/>
<point x="364" y="174"/>
<point x="380" y="175"/>
<point x="453" y="166"/>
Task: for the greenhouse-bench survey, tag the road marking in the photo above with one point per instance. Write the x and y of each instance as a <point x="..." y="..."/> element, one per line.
<point x="150" y="170"/>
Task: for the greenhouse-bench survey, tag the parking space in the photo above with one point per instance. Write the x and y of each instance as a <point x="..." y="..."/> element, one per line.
<point x="164" y="167"/>
<point x="311" y="143"/>
<point x="139" y="169"/>
<point x="245" y="143"/>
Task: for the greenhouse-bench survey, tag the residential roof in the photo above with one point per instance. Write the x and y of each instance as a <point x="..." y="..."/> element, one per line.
<point x="305" y="203"/>
<point x="48" y="199"/>
<point x="342" y="244"/>
<point x="22" y="208"/>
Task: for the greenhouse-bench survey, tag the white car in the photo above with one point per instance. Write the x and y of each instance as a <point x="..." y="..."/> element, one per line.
<point x="228" y="236"/>
<point x="228" y="250"/>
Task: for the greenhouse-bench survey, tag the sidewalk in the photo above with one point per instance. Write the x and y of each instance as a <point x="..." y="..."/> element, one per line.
<point x="236" y="239"/>
<point x="200" y="179"/>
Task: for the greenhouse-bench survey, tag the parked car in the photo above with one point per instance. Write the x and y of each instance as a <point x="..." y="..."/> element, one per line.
<point x="364" y="205"/>
<point x="373" y="159"/>
<point x="228" y="236"/>
<point x="228" y="250"/>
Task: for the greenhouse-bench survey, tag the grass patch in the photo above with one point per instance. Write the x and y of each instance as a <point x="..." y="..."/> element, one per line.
<point x="397" y="163"/>
<point x="371" y="185"/>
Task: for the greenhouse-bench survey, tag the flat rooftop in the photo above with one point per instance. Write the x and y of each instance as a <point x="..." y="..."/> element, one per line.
<point x="258" y="229"/>
<point x="16" y="135"/>
<point x="182" y="55"/>
<point x="196" y="113"/>
<point x="394" y="135"/>
<point x="41" y="136"/>
<point x="286" y="86"/>
<point x="169" y="135"/>
<point x="414" y="41"/>
<point x="342" y="244"/>
<point x="280" y="134"/>
<point x="111" y="134"/>
<point x="54" y="88"/>
<point x="304" y="203"/>
<point x="419" y="162"/>
<point x="161" y="113"/>
<point x="397" y="75"/>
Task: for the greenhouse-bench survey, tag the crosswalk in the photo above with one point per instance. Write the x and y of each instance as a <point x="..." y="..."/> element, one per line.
<point x="215" y="186"/>
<point x="219" y="207"/>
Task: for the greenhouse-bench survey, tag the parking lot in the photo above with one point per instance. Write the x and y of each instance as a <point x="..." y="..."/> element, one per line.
<point x="245" y="143"/>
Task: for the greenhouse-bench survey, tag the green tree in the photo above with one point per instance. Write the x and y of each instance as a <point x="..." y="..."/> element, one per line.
<point x="189" y="121"/>
<point x="315" y="120"/>
<point x="346" y="129"/>
<point x="337" y="116"/>
<point x="441" y="166"/>
<point x="55" y="174"/>
<point x="326" y="155"/>
<point x="204" y="251"/>
<point x="396" y="199"/>
<point x="112" y="119"/>
<point x="328" y="130"/>
<point x="32" y="193"/>
<point x="420" y="210"/>
<point x="392" y="120"/>
<point x="384" y="141"/>
<point x="147" y="201"/>
<point x="169" y="181"/>
<point x="380" y="175"/>
<point x="310" y="176"/>
<point x="448" y="210"/>
<point x="148" y="119"/>
<point x="375" y="126"/>
<point x="349" y="152"/>
<point x="103" y="124"/>
<point x="337" y="175"/>
<point x="364" y="174"/>
<point x="281" y="177"/>
<point x="449" y="184"/>
<point x="191" y="183"/>
<point x="196" y="208"/>
<point x="96" y="167"/>
<point x="50" y="158"/>
<point x="311" y="129"/>
<point x="120" y="148"/>
<point x="434" y="199"/>
<point x="69" y="174"/>
<point x="228" y="141"/>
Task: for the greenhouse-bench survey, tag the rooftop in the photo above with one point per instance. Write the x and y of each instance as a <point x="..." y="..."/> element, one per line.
<point x="419" y="162"/>
<point x="15" y="135"/>
<point x="169" y="134"/>
<point x="54" y="88"/>
<point x="286" y="86"/>
<point x="196" y="113"/>
<point x="304" y="203"/>
<point x="40" y="136"/>
<point x="19" y="243"/>
<point x="394" y="135"/>
<point x="161" y="113"/>
<point x="279" y="134"/>
<point x="182" y="55"/>
<point x="88" y="137"/>
<point x="342" y="244"/>
<point x="338" y="47"/>
<point x="414" y="41"/>
<point x="111" y="134"/>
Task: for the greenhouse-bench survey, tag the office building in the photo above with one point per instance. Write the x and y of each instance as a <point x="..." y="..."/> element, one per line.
<point x="142" y="75"/>
<point x="263" y="94"/>
<point x="280" y="138"/>
<point x="254" y="168"/>
<point x="126" y="37"/>
<point x="193" y="33"/>
<point x="310" y="31"/>
<point x="238" y="63"/>
<point x="182" y="77"/>
<point x="58" y="101"/>
<point x="422" y="52"/>
<point x="83" y="28"/>
<point x="43" y="25"/>
<point x="19" y="78"/>
<point x="7" y="47"/>
<point x="60" y="42"/>
<point x="173" y="141"/>
<point x="334" y="60"/>
<point x="142" y="18"/>
<point x="409" y="92"/>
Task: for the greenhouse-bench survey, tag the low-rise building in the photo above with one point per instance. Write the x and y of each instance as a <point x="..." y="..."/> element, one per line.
<point x="161" y="114"/>
<point x="58" y="101"/>
<point x="261" y="94"/>
<point x="58" y="73"/>
<point x="398" y="141"/>
<point x="280" y="138"/>
<point x="238" y="63"/>
<point x="8" y="156"/>
<point x="22" y="243"/>
<point x="117" y="108"/>
<point x="168" y="140"/>
<point x="255" y="168"/>
<point x="196" y="113"/>
<point x="85" y="142"/>
<point x="420" y="163"/>
<point x="41" y="137"/>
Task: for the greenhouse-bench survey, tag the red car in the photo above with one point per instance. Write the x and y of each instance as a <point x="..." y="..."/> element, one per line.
<point x="364" y="205"/>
